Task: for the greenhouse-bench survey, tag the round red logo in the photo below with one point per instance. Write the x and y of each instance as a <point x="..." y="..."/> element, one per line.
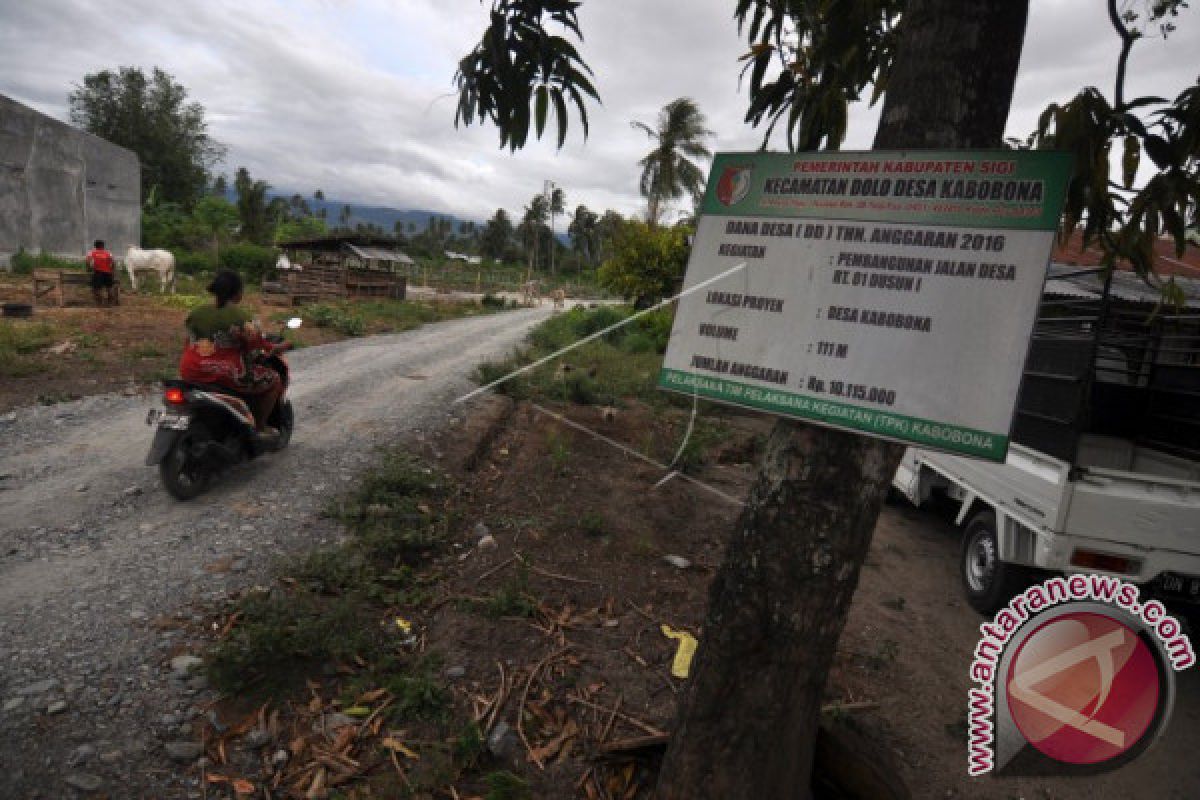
<point x="733" y="185"/>
<point x="1083" y="688"/>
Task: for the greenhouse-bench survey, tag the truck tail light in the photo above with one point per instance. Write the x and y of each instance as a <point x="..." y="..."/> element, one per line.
<point x="1102" y="561"/>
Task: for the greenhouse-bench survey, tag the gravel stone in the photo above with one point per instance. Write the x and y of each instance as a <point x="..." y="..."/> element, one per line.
<point x="81" y="755"/>
<point x="256" y="739"/>
<point x="41" y="687"/>
<point x="85" y="572"/>
<point x="184" y="752"/>
<point x="183" y="665"/>
<point x="83" y="781"/>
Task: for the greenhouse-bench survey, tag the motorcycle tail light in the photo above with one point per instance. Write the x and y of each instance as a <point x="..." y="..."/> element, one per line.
<point x="174" y="397"/>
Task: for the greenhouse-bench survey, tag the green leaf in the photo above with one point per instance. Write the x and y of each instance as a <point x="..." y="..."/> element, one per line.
<point x="560" y="112"/>
<point x="1130" y="160"/>
<point x="543" y="97"/>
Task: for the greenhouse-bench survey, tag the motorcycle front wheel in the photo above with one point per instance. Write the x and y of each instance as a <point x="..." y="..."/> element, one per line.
<point x="182" y="473"/>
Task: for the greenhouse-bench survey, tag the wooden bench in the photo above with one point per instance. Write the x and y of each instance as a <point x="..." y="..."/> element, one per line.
<point x="55" y="282"/>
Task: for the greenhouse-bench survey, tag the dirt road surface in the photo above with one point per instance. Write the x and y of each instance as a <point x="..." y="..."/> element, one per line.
<point x="98" y="565"/>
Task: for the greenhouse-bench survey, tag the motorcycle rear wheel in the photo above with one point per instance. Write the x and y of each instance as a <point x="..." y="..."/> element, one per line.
<point x="283" y="419"/>
<point x="182" y="474"/>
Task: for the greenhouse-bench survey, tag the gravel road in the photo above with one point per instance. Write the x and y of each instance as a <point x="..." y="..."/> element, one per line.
<point x="93" y="552"/>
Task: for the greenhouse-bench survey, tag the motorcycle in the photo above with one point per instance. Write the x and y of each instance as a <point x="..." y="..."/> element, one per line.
<point x="203" y="430"/>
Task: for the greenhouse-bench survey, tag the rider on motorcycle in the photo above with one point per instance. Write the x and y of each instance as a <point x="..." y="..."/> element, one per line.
<point x="221" y="341"/>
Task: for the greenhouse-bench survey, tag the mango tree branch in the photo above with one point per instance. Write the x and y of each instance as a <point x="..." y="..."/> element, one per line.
<point x="1128" y="37"/>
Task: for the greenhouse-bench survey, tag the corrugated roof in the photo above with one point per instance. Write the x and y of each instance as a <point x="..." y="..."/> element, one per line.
<point x="1064" y="279"/>
<point x="379" y="254"/>
<point x="1166" y="261"/>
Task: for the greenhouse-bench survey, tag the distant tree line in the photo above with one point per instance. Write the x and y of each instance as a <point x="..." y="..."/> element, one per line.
<point x="189" y="207"/>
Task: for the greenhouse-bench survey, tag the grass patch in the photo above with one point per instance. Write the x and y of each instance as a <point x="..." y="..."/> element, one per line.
<point x="417" y="688"/>
<point x="511" y="599"/>
<point x="146" y="351"/>
<point x="19" y="343"/>
<point x="504" y="785"/>
<point x="362" y="317"/>
<point x="591" y="524"/>
<point x="622" y="363"/>
<point x="280" y="636"/>
<point x="617" y="366"/>
<point x="187" y="302"/>
<point x="339" y="598"/>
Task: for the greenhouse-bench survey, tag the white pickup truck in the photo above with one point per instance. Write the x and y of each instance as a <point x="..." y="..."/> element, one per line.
<point x="1105" y="476"/>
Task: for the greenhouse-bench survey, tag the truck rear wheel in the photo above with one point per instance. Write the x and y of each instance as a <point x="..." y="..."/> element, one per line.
<point x="989" y="583"/>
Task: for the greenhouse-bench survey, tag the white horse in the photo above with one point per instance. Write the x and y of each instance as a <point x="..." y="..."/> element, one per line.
<point x="161" y="261"/>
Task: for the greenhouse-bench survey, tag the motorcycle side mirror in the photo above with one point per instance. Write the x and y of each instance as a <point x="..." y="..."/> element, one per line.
<point x="295" y="322"/>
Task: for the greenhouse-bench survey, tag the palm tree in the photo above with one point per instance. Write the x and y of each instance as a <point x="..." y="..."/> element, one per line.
<point x="532" y="227"/>
<point x="558" y="204"/>
<point x="254" y="210"/>
<point x="668" y="170"/>
<point x="582" y="230"/>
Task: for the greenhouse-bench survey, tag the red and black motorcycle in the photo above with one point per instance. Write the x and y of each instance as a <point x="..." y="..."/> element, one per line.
<point x="203" y="430"/>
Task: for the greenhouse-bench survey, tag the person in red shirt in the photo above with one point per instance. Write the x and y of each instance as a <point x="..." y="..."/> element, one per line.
<point x="101" y="263"/>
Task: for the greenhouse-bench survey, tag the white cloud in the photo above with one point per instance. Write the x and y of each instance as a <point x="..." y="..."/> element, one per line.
<point x="354" y="97"/>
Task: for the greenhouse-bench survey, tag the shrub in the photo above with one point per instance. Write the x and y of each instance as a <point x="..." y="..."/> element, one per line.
<point x="280" y="636"/>
<point x="646" y="263"/>
<point x="22" y="263"/>
<point x="190" y="262"/>
<point x="638" y="342"/>
<point x="25" y="263"/>
<point x="327" y="315"/>
<point x="251" y="261"/>
<point x="657" y="326"/>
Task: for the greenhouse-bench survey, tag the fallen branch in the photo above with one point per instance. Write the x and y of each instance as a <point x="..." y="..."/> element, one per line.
<point x="557" y="576"/>
<point x="639" y="610"/>
<point x="635" y="746"/>
<point x="650" y="729"/>
<point x="363" y="729"/>
<point x="498" y="703"/>
<point x="399" y="769"/>
<point x="525" y="695"/>
<point x="611" y="719"/>
<point x="495" y="569"/>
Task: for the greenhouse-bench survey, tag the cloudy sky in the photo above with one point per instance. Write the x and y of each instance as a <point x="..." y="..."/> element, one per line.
<point x="354" y="96"/>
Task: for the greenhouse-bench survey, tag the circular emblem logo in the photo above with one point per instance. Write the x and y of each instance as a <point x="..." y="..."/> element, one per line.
<point x="1084" y="688"/>
<point x="734" y="185"/>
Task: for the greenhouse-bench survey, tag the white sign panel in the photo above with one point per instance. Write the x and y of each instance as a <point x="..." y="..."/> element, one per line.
<point x="887" y="293"/>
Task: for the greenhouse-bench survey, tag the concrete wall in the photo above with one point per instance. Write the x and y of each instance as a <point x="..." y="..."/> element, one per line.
<point x="61" y="188"/>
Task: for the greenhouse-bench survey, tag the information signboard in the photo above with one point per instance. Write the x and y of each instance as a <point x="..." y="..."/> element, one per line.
<point x="890" y="293"/>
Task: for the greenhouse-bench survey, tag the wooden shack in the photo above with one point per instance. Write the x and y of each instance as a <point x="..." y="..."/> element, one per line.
<point x="340" y="265"/>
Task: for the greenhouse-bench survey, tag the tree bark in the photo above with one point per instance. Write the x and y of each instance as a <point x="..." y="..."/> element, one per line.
<point x="747" y="722"/>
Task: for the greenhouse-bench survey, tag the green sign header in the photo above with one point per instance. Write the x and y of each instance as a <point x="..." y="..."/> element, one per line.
<point x="1017" y="189"/>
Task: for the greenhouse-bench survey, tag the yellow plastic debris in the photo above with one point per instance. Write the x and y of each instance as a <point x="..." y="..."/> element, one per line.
<point x="404" y="625"/>
<point x="683" y="656"/>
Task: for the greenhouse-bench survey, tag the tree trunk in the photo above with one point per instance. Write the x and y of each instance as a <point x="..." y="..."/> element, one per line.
<point x="747" y="722"/>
